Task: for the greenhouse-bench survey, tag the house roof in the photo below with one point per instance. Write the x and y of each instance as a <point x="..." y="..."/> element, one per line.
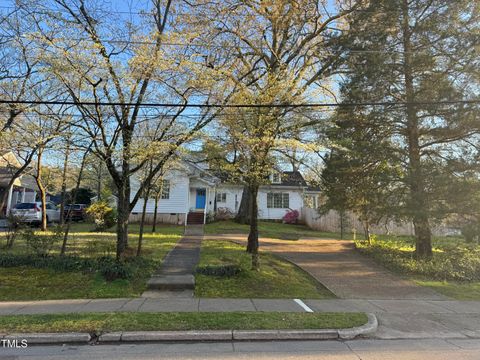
<point x="8" y="159"/>
<point x="291" y="178"/>
<point x="6" y="176"/>
<point x="288" y="178"/>
<point x="25" y="180"/>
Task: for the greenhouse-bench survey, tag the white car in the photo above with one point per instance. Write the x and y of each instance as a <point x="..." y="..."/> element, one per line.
<point x="32" y="212"/>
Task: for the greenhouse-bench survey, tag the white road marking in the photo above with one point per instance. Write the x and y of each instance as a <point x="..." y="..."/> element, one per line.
<point x="303" y="305"/>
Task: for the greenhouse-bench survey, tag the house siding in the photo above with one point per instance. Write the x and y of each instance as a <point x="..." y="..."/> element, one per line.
<point x="295" y="203"/>
<point x="295" y="200"/>
<point x="175" y="204"/>
<point x="233" y="197"/>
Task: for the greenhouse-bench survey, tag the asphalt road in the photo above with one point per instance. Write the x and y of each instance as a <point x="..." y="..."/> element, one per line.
<point x="426" y="349"/>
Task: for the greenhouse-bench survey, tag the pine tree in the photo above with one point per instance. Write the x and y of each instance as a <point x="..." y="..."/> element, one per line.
<point x="418" y="53"/>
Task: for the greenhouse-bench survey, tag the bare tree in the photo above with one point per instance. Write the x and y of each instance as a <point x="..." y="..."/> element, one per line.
<point x="99" y="57"/>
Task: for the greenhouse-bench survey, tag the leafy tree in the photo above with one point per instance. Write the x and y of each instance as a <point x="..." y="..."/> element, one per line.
<point x="417" y="53"/>
<point x="359" y="174"/>
<point x="277" y="55"/>
<point x="82" y="196"/>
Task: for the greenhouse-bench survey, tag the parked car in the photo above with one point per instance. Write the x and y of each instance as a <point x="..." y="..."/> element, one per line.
<point x="75" y="211"/>
<point x="31" y="212"/>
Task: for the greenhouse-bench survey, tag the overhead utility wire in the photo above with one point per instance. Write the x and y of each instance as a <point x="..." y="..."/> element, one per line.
<point x="225" y="46"/>
<point x="149" y="12"/>
<point x="283" y="105"/>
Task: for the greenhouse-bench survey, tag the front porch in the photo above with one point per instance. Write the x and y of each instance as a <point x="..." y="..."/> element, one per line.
<point x="201" y="201"/>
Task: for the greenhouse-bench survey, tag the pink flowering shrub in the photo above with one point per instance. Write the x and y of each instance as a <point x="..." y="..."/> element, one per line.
<point x="291" y="217"/>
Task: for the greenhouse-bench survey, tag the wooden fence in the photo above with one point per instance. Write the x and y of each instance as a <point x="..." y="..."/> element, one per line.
<point x="331" y="221"/>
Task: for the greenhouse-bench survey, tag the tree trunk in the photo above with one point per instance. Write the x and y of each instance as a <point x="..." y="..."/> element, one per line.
<point x="366" y="229"/>
<point x="342" y="226"/>
<point x="99" y="182"/>
<point x="123" y="213"/>
<point x="142" y="221"/>
<point x="416" y="180"/>
<point x="42" y="190"/>
<point x="154" y="226"/>
<point x="74" y="200"/>
<point x="64" y="183"/>
<point x="252" y="246"/>
<point x="243" y="215"/>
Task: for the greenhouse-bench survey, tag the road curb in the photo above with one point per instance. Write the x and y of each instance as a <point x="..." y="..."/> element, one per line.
<point x="364" y="330"/>
<point x="49" y="338"/>
<point x="199" y="335"/>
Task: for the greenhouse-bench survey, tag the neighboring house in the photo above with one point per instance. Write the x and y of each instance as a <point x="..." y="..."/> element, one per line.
<point x="191" y="192"/>
<point x="24" y="188"/>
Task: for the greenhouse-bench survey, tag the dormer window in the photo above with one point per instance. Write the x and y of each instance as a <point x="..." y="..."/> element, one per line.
<point x="276" y="178"/>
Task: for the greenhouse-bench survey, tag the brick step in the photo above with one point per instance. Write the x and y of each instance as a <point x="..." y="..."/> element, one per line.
<point x="195" y="218"/>
<point x="172" y="282"/>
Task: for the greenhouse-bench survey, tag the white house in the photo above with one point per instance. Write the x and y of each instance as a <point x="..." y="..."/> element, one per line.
<point x="191" y="192"/>
<point x="23" y="189"/>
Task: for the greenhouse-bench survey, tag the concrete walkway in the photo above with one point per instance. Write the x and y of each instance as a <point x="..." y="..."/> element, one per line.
<point x="397" y="318"/>
<point x="176" y="276"/>
<point x="345" y="272"/>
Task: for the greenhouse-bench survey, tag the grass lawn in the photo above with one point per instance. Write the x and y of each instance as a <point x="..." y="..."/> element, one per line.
<point x="454" y="270"/>
<point x="277" y="278"/>
<point x="30" y="283"/>
<point x="454" y="289"/>
<point x="268" y="229"/>
<point x="107" y="322"/>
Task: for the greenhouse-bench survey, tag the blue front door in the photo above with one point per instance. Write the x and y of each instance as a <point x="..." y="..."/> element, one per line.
<point x="200" y="204"/>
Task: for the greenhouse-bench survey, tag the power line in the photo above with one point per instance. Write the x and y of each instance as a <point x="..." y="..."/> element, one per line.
<point x="189" y="15"/>
<point x="243" y="47"/>
<point x="227" y="106"/>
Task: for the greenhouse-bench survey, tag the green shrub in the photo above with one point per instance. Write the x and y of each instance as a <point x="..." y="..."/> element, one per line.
<point x="471" y="231"/>
<point x="112" y="269"/>
<point x="13" y="229"/>
<point x="60" y="263"/>
<point x="107" y="266"/>
<point x="102" y="215"/>
<point x="220" y="270"/>
<point x="461" y="263"/>
<point x="42" y="243"/>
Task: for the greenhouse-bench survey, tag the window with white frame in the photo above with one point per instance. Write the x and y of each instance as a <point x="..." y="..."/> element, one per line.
<point x="221" y="197"/>
<point x="278" y="200"/>
<point x="165" y="189"/>
<point x="276" y="178"/>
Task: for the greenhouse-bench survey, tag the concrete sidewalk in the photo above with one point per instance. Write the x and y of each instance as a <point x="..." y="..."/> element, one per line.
<point x="398" y="319"/>
<point x="394" y="307"/>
